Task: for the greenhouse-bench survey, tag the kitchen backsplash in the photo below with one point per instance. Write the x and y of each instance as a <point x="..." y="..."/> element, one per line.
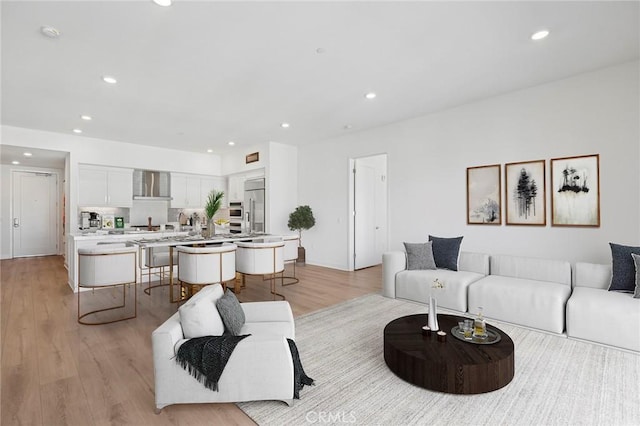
<point x="159" y="212"/>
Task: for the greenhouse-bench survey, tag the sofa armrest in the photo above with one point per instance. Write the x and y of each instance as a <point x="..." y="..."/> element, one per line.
<point x="164" y="340"/>
<point x="392" y="263"/>
<point x="276" y="311"/>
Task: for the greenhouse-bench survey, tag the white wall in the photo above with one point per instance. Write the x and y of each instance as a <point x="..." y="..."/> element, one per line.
<point x="6" y="194"/>
<point x="101" y="152"/>
<point x="113" y="153"/>
<point x="282" y="186"/>
<point x="234" y="161"/>
<point x="592" y="113"/>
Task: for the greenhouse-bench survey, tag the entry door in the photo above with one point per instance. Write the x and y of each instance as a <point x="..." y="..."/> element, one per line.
<point x="370" y="212"/>
<point x="35" y="214"/>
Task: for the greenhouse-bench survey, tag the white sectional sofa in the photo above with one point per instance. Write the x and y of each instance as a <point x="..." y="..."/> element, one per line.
<point x="599" y="315"/>
<point x="417" y="285"/>
<point x="532" y="292"/>
<point x="526" y="291"/>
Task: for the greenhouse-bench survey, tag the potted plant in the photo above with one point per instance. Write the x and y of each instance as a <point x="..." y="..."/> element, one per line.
<point x="214" y="201"/>
<point x="301" y="218"/>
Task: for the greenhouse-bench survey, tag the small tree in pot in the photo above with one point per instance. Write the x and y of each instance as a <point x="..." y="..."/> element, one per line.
<point x="301" y="218"/>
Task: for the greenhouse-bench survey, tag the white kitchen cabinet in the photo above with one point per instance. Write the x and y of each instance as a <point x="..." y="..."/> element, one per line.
<point x="185" y="191"/>
<point x="236" y="183"/>
<point x="209" y="183"/>
<point x="236" y="188"/>
<point x="105" y="187"/>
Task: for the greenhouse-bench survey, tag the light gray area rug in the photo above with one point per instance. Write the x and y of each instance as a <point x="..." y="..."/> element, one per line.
<point x="558" y="381"/>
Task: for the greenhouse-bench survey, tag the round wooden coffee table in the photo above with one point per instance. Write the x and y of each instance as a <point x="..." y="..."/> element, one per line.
<point x="453" y="366"/>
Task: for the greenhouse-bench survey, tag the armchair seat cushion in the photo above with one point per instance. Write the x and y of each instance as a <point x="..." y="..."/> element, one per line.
<point x="276" y="327"/>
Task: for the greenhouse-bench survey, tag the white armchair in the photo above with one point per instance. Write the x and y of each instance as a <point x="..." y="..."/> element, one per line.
<point x="246" y="377"/>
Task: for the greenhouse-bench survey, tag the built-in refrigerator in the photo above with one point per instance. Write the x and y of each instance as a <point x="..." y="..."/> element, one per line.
<point x="254" y="205"/>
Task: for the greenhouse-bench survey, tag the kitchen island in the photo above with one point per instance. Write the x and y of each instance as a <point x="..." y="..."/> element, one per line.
<point x="143" y="240"/>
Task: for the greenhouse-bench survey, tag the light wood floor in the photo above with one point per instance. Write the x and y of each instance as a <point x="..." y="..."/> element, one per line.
<point x="55" y="371"/>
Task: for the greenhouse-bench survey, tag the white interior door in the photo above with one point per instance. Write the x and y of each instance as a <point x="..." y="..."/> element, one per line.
<point x="35" y="214"/>
<point x="370" y="211"/>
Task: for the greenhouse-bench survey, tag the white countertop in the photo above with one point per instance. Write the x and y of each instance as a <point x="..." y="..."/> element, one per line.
<point x="127" y="234"/>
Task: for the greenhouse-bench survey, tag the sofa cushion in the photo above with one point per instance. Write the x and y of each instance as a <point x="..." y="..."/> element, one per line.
<point x="199" y="316"/>
<point x="592" y="275"/>
<point x="537" y="304"/>
<point x="419" y="256"/>
<point x="623" y="278"/>
<point x="604" y="316"/>
<point x="636" y="261"/>
<point x="529" y="268"/>
<point x="418" y="286"/>
<point x="231" y="312"/>
<point x="446" y="251"/>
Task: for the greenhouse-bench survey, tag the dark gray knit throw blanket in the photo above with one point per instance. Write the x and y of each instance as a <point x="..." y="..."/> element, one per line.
<point x="205" y="358"/>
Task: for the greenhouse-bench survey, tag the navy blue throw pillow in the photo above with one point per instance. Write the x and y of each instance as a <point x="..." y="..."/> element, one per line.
<point x="623" y="277"/>
<point x="446" y="251"/>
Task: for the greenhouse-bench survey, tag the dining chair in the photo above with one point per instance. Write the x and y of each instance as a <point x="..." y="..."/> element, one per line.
<point x="261" y="257"/>
<point x="102" y="267"/>
<point x="201" y="266"/>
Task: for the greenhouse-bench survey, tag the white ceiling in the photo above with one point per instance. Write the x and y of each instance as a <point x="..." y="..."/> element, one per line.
<point x="198" y="74"/>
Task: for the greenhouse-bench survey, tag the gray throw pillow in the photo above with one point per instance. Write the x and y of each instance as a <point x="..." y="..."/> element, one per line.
<point x="231" y="312"/>
<point x="419" y="256"/>
<point x="623" y="277"/>
<point x="446" y="252"/>
<point x="636" y="260"/>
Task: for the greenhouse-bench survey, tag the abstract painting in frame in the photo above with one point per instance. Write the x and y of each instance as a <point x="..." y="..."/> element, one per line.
<point x="525" y="193"/>
<point x="483" y="195"/>
<point x="575" y="189"/>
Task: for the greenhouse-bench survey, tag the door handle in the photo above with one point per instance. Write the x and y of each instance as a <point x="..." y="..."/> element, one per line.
<point x="16" y="222"/>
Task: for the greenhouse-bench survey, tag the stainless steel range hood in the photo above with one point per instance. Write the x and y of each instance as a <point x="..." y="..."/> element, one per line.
<point x="151" y="185"/>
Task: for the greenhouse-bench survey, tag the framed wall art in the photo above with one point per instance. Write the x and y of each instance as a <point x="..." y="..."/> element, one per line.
<point x="525" y="193"/>
<point x="575" y="191"/>
<point x="483" y="195"/>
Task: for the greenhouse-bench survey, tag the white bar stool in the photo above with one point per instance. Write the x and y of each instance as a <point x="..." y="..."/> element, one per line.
<point x="157" y="258"/>
<point x="111" y="265"/>
<point x="291" y="244"/>
<point x="261" y="257"/>
<point x="200" y="266"/>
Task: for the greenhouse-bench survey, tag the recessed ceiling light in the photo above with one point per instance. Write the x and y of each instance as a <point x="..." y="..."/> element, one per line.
<point x="231" y="143"/>
<point x="285" y="125"/>
<point x="15" y="162"/>
<point x="77" y="131"/>
<point x="370" y="95"/>
<point x="347" y="126"/>
<point x="109" y="79"/>
<point x="49" y="31"/>
<point x="320" y="50"/>
<point x="209" y="150"/>
<point x="27" y="154"/>
<point x="86" y="117"/>
<point x="163" y="3"/>
<point x="539" y="35"/>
